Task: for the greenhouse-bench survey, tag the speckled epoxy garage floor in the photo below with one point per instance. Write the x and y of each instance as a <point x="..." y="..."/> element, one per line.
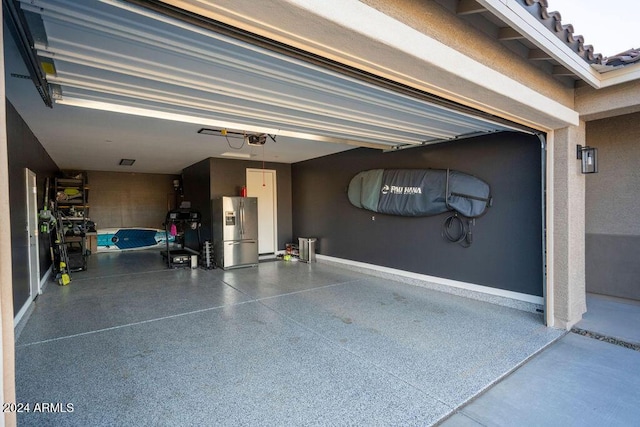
<point x="130" y="342"/>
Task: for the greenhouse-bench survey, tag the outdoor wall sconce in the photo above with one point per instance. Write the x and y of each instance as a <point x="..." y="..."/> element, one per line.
<point x="589" y="157"/>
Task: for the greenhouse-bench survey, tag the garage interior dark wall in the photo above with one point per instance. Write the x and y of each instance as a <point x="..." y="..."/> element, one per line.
<point x="25" y="151"/>
<point x="121" y="199"/>
<point x="507" y="249"/>
<point x="196" y="184"/>
<point x="215" y="177"/>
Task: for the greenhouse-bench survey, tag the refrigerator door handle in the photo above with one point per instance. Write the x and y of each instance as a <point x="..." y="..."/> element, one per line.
<point x="242" y="242"/>
<point x="241" y="217"/>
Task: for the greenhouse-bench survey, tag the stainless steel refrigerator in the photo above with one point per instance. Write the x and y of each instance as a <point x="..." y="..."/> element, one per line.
<point x="235" y="231"/>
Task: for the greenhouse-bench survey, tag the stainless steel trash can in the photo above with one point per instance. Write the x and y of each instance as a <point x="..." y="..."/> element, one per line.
<point x="307" y="249"/>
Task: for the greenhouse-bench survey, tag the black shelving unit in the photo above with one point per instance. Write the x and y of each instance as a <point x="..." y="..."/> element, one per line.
<point x="184" y="221"/>
<point x="72" y="208"/>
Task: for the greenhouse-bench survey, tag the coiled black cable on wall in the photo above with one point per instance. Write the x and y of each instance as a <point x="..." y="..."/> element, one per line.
<point x="455" y="230"/>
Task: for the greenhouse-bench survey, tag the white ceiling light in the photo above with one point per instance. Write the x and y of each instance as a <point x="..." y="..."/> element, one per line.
<point x="237" y="155"/>
<point x="144" y="112"/>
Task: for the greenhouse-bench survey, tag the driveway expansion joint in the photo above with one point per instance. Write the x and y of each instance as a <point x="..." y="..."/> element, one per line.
<point x="605" y="338"/>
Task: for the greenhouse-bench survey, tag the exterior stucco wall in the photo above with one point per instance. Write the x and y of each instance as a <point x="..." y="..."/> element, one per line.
<point x="568" y="222"/>
<point x="612" y="198"/>
<point x="7" y="337"/>
<point x="610" y="101"/>
<point x="439" y="23"/>
<point x="612" y="205"/>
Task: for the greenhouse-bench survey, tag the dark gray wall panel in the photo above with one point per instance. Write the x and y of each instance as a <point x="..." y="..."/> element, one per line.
<point x="223" y="177"/>
<point x="228" y="176"/>
<point x="612" y="205"/>
<point x="196" y="184"/>
<point x="612" y="266"/>
<point x="506" y="252"/>
<point x="25" y="151"/>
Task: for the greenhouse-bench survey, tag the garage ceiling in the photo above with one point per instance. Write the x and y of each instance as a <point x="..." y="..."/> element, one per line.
<point x="131" y="83"/>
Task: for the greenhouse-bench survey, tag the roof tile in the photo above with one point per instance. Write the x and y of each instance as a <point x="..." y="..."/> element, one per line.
<point x="553" y="21"/>
<point x="627" y="57"/>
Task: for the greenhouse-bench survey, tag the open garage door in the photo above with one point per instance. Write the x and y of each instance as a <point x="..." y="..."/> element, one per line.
<point x="213" y="90"/>
<point x="164" y="62"/>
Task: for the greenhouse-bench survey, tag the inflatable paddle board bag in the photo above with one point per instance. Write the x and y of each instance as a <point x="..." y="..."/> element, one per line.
<point x="419" y="192"/>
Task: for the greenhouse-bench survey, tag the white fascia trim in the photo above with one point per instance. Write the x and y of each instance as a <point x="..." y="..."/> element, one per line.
<point x="522" y="21"/>
<point x="360" y="18"/>
<point x="512" y="13"/>
<point x="438" y="280"/>
<point x="621" y="75"/>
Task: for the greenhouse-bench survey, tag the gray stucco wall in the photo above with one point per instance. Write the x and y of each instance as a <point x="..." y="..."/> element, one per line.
<point x="612" y="206"/>
<point x="441" y="22"/>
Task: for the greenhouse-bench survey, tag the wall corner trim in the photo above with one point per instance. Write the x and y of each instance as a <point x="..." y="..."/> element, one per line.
<point x="46" y="278"/>
<point x="502" y="297"/>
